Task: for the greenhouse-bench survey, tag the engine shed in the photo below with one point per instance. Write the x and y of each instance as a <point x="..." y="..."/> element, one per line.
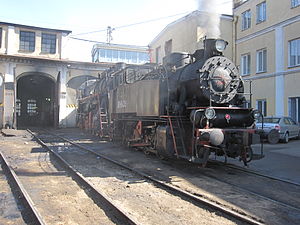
<point x="38" y="81"/>
<point x="41" y="92"/>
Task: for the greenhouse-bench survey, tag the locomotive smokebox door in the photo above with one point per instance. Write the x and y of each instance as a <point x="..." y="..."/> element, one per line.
<point x="164" y="144"/>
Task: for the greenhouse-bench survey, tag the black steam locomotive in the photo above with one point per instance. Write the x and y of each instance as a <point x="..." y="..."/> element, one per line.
<point x="188" y="107"/>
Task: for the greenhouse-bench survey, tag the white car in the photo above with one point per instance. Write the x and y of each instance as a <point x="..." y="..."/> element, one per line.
<point x="286" y="127"/>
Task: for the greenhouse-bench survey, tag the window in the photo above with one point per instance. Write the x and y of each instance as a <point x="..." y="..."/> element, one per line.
<point x="27" y="41"/>
<point x="261" y="61"/>
<point x="158" y="54"/>
<point x="0" y="37"/>
<point x="247" y="104"/>
<point x="31" y="107"/>
<point x="18" y="107"/>
<point x="102" y="55"/>
<point x="261" y="106"/>
<point x="246" y="20"/>
<point x="143" y="57"/>
<point x="115" y="55"/>
<point x="168" y="47"/>
<point x="292" y="122"/>
<point x="96" y="56"/>
<point x="294" y="52"/>
<point x="295" y="3"/>
<point x="245" y="64"/>
<point x="294" y="108"/>
<point x="108" y="55"/>
<point x="261" y="12"/>
<point x="118" y="55"/>
<point x="49" y="43"/>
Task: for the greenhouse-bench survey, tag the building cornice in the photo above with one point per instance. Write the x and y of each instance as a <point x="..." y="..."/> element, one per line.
<point x="35" y="28"/>
<point x="53" y="62"/>
<point x="237" y="5"/>
<point x="272" y="75"/>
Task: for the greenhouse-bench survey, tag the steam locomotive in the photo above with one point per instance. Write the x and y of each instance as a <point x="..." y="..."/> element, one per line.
<point x="186" y="108"/>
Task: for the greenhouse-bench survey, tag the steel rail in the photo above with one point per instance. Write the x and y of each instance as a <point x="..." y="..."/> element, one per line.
<point x="240" y="215"/>
<point x="29" y="204"/>
<point x="255" y="193"/>
<point x="252" y="172"/>
<point x="82" y="180"/>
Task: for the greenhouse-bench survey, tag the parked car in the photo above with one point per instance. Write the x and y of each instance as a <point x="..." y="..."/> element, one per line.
<point x="286" y="127"/>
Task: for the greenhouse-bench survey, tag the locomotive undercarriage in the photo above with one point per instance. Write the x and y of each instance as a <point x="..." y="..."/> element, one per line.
<point x="164" y="138"/>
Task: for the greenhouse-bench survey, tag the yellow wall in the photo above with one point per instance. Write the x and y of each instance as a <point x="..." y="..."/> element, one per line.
<point x="187" y="35"/>
<point x="281" y="26"/>
<point x="266" y="41"/>
<point x="277" y="11"/>
<point x="264" y="89"/>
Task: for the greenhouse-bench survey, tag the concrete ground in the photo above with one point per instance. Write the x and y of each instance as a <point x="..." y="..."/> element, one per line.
<point x="281" y="160"/>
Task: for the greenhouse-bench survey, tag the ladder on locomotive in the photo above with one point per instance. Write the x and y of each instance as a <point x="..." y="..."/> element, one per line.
<point x="103" y="119"/>
<point x="177" y="136"/>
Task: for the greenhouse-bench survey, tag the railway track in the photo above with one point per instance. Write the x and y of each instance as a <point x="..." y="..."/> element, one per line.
<point x="102" y="197"/>
<point x="258" y="195"/>
<point x="254" y="173"/>
<point x="21" y="204"/>
<point x="283" y="192"/>
<point x="50" y="194"/>
<point x="199" y="200"/>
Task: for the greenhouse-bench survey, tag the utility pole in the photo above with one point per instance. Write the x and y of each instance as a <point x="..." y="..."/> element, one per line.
<point x="109" y="34"/>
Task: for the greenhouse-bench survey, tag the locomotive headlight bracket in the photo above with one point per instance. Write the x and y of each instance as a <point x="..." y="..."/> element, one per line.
<point x="220" y="45"/>
<point x="210" y="113"/>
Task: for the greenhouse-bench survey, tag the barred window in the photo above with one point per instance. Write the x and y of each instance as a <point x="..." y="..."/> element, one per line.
<point x="48" y="43"/>
<point x="31" y="107"/>
<point x="18" y="107"/>
<point x="27" y="41"/>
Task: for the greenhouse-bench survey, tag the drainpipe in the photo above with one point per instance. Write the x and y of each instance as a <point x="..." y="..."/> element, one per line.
<point x="234" y="38"/>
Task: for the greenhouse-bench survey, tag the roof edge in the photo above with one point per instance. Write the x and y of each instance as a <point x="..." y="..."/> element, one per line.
<point x="34" y="27"/>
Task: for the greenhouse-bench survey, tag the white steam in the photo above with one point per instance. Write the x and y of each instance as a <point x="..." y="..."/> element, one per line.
<point x="209" y="19"/>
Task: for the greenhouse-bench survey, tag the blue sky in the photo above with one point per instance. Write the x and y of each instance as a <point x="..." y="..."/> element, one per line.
<point x="92" y="15"/>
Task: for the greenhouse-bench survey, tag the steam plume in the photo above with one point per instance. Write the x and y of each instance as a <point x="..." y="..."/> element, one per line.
<point x="210" y="19"/>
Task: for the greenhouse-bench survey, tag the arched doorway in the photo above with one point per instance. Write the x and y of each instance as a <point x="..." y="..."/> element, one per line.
<point x="35" y="103"/>
<point x="72" y="97"/>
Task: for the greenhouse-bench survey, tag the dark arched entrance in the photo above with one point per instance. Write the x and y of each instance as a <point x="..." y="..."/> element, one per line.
<point x="35" y="101"/>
